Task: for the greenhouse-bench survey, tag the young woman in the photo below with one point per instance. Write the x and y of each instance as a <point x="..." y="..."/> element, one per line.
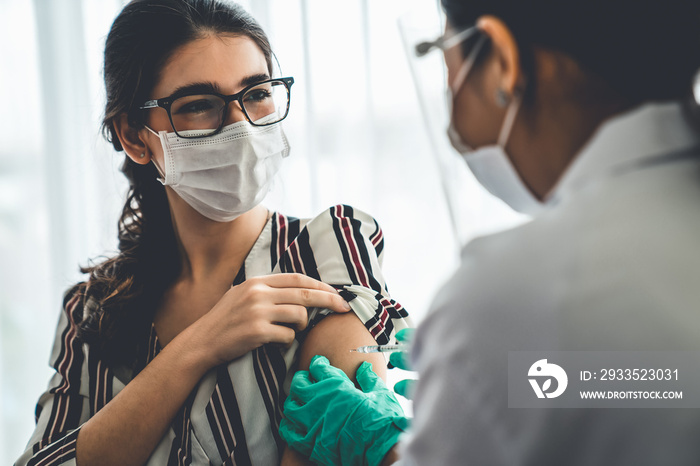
<point x="179" y="349"/>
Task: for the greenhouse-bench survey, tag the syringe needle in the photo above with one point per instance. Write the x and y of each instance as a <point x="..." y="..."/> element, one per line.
<point x="380" y="349"/>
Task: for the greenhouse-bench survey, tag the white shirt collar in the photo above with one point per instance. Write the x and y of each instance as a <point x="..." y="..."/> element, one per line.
<point x="641" y="133"/>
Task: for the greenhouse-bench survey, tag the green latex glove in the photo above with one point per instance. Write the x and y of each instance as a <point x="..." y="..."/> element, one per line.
<point x="333" y="423"/>
<point x="402" y="360"/>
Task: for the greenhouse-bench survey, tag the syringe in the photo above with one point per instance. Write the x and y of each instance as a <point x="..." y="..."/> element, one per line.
<point x="380" y="349"/>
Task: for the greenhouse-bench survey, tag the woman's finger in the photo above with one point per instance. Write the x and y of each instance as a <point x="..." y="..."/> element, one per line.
<point x="310" y="298"/>
<point x="280" y="334"/>
<point x="296" y="280"/>
<point x="294" y="315"/>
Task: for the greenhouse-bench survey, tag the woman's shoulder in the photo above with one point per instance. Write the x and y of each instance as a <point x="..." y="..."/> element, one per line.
<point x="342" y="222"/>
<point x="79" y="308"/>
<point x="74" y="301"/>
<point x="341" y="245"/>
<point x="343" y="211"/>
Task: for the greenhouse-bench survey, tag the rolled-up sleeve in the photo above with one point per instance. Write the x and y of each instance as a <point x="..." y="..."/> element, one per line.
<point x="344" y="248"/>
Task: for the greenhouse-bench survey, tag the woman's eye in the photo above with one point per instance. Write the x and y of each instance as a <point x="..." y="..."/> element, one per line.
<point x="258" y="95"/>
<point x="197" y="106"/>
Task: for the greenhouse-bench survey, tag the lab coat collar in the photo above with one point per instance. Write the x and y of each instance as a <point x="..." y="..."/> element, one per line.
<point x="644" y="132"/>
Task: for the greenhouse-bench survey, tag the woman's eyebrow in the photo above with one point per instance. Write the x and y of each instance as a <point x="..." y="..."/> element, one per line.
<point x="203" y="87"/>
<point x="253" y="79"/>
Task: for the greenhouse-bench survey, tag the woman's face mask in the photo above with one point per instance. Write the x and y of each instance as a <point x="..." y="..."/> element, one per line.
<point x="225" y="175"/>
<point x="490" y="164"/>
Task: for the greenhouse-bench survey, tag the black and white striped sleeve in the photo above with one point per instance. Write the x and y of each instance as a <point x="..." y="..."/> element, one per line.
<point x="343" y="247"/>
<point x="64" y="406"/>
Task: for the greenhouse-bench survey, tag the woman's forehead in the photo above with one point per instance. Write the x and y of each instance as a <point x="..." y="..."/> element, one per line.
<point x="223" y="60"/>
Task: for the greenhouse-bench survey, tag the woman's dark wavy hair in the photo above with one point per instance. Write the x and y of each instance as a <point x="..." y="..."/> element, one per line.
<point x="122" y="292"/>
<point x="642" y="50"/>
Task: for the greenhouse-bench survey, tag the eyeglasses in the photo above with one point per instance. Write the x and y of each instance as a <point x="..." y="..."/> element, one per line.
<point x="445" y="41"/>
<point x="203" y="114"/>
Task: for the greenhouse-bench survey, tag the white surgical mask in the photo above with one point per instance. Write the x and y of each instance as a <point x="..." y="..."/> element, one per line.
<point x="227" y="174"/>
<point x="490" y="164"/>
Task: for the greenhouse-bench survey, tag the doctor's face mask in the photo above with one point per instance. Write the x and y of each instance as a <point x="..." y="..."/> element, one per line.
<point x="490" y="164"/>
<point x="227" y="174"/>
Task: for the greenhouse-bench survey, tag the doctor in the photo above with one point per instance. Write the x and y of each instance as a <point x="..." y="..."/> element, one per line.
<point x="578" y="113"/>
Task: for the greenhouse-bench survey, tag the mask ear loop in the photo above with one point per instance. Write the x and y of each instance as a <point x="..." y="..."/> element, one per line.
<point x="508" y="122"/>
<point x="467" y="66"/>
<point x="161" y="180"/>
<point x="153" y="159"/>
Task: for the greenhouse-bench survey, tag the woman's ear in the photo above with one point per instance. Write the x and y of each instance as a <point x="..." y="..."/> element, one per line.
<point x="131" y="140"/>
<point x="506" y="52"/>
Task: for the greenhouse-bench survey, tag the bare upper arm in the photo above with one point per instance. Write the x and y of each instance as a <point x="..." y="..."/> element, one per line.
<point x="333" y="338"/>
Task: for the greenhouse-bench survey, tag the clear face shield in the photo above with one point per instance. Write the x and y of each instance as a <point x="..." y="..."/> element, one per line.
<point x="427" y="45"/>
<point x="420" y="27"/>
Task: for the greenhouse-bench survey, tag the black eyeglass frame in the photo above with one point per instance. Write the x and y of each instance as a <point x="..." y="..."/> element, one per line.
<point x="166" y="103"/>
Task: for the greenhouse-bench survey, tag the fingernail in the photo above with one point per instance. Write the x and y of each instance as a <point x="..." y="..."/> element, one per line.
<point x="346" y="306"/>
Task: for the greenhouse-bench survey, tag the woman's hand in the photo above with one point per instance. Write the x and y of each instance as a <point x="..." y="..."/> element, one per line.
<point x="267" y="309"/>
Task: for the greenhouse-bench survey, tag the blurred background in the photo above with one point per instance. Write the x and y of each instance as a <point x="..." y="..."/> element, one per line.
<point x="363" y="132"/>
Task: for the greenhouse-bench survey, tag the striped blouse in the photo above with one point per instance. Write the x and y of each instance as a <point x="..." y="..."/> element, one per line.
<point x="232" y="416"/>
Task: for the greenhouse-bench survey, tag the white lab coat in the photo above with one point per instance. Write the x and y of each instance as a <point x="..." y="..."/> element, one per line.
<point x="613" y="264"/>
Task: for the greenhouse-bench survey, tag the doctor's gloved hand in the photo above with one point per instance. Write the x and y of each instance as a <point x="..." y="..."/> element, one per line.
<point x="401" y="360"/>
<point x="333" y="423"/>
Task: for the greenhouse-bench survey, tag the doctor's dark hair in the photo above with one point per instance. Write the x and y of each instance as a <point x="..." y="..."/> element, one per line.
<point x="641" y="50"/>
<point x="122" y="292"/>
